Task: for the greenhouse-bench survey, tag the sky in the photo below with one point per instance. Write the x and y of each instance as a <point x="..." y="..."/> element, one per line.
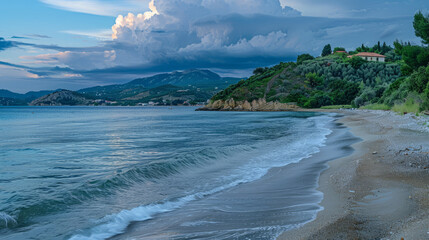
<point x="73" y="44"/>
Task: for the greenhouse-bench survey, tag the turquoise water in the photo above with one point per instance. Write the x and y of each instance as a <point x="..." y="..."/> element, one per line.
<point x="95" y="172"/>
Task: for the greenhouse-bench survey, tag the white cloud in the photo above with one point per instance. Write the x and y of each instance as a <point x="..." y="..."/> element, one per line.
<point x="132" y="22"/>
<point x="183" y="33"/>
<point x="78" y="60"/>
<point x="98" y="7"/>
<point x="102" y="35"/>
<point x="357" y="9"/>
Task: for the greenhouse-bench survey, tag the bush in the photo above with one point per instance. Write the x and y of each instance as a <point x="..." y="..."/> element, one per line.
<point x="356" y="62"/>
<point x="419" y="79"/>
<point x="304" y="57"/>
<point x="409" y="106"/>
<point x="313" y="80"/>
<point x="258" y="70"/>
<point x="425" y="104"/>
<point x="339" y="49"/>
<point x="317" y="100"/>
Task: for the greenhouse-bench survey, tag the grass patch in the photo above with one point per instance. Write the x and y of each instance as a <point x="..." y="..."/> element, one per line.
<point x="337" y="107"/>
<point x="409" y="106"/>
<point x="376" y="106"/>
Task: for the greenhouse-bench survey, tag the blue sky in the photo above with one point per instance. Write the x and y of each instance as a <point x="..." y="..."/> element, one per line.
<point x="51" y="44"/>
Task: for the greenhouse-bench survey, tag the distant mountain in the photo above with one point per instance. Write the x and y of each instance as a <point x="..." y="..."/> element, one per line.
<point x="187" y="86"/>
<point x="27" y="97"/>
<point x="62" y="98"/>
<point x="188" y="78"/>
<point x="170" y="94"/>
<point x="30" y="96"/>
<point x="8" y="94"/>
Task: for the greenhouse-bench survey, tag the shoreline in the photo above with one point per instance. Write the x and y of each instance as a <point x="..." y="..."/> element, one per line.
<point x="284" y="205"/>
<point x="381" y="190"/>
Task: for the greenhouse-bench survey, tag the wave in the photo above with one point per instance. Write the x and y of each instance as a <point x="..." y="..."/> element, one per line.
<point x="7" y="220"/>
<point x="257" y="167"/>
<point x="102" y="188"/>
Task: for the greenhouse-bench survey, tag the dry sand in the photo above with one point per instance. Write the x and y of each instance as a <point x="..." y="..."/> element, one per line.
<point x="381" y="191"/>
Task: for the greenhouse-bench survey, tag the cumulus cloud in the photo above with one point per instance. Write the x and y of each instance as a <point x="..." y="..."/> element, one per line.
<point x="357" y="9"/>
<point x="133" y="23"/>
<point x="179" y="34"/>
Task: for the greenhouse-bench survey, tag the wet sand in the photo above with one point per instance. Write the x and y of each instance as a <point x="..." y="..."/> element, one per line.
<point x="381" y="191"/>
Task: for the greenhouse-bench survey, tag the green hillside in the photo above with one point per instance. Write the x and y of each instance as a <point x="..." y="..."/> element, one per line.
<point x="335" y="79"/>
<point x="330" y="80"/>
<point x="189" y="86"/>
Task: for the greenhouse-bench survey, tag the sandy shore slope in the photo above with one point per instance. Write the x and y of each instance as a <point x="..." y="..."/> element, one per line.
<point x="381" y="191"/>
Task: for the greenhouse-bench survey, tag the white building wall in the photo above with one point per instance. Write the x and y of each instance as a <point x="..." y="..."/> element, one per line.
<point x="374" y="59"/>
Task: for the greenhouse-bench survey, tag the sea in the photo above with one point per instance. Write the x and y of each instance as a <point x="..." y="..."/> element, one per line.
<point x="161" y="173"/>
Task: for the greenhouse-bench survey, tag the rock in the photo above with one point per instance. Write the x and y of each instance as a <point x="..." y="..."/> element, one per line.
<point x="256" y="105"/>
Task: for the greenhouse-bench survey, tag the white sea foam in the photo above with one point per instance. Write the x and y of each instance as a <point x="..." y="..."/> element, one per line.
<point x="256" y="168"/>
<point x="115" y="224"/>
<point x="6" y="219"/>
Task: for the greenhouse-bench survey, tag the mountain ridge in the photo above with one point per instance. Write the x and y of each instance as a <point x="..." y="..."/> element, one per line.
<point x="179" y="87"/>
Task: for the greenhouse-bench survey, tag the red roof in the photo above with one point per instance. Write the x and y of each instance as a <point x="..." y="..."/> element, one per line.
<point x="341" y="51"/>
<point x="369" y="54"/>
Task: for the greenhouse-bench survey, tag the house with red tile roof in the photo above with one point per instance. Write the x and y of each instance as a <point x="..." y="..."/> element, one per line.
<point x="370" y="56"/>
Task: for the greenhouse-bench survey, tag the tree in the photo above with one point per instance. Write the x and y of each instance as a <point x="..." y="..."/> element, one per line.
<point x="421" y="26"/>
<point x="304" y="57"/>
<point x="258" y="70"/>
<point x="356" y="62"/>
<point x="327" y="50"/>
<point x="385" y="48"/>
<point x="339" y="49"/>
<point x="414" y="57"/>
<point x="398" y="47"/>
<point x="313" y="79"/>
<point x="362" y="48"/>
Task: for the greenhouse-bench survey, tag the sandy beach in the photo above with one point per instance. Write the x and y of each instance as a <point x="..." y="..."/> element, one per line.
<point x="381" y="191"/>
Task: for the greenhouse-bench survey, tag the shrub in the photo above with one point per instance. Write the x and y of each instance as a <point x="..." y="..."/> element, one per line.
<point x="313" y="80"/>
<point x="317" y="100"/>
<point x="419" y="79"/>
<point x="409" y="106"/>
<point x="258" y="70"/>
<point x="339" y="49"/>
<point x="356" y="62"/>
<point x="304" y="57"/>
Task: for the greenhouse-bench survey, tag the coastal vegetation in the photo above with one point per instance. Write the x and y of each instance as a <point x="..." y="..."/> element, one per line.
<point x="401" y="83"/>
